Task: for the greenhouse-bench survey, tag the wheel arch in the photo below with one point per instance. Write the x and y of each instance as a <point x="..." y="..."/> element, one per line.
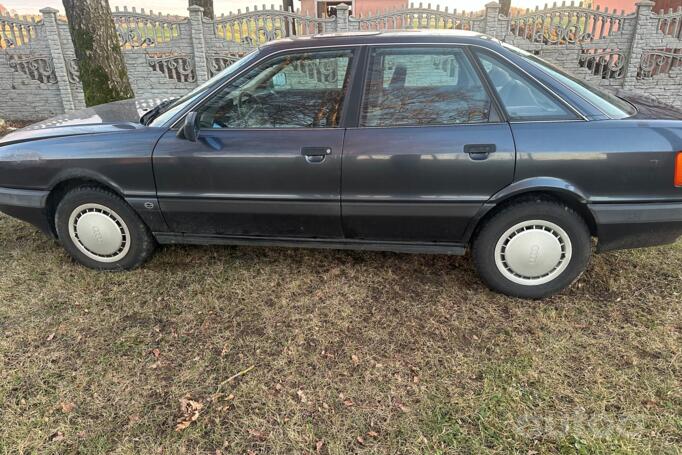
<point x="69" y="181"/>
<point x="543" y="188"/>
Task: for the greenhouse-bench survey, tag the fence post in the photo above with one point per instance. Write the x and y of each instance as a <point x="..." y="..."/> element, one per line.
<point x="196" y="18"/>
<point x="342" y="11"/>
<point x="492" y="17"/>
<point x="644" y="27"/>
<point x="58" y="60"/>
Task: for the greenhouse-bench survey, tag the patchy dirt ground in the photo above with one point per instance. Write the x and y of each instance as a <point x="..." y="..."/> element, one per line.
<point x="248" y="350"/>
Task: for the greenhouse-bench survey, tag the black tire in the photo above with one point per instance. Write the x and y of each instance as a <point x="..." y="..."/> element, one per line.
<point x="140" y="243"/>
<point x="486" y="241"/>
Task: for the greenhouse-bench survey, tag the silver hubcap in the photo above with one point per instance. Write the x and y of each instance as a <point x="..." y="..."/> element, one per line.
<point x="533" y="252"/>
<point x="99" y="233"/>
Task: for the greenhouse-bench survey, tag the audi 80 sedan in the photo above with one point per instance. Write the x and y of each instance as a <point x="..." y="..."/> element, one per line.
<point x="423" y="142"/>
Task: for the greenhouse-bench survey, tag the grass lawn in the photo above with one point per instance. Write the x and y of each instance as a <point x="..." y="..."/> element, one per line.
<point x="338" y="352"/>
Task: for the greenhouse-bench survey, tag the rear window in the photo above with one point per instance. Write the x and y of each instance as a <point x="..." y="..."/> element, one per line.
<point x="611" y="105"/>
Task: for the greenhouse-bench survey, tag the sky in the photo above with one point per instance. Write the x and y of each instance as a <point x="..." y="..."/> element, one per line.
<point x="224" y="6"/>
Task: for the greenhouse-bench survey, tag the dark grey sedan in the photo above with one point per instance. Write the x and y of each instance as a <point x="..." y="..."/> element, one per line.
<point x="411" y="142"/>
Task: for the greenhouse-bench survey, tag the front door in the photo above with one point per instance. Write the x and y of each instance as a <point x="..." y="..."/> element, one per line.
<point x="267" y="161"/>
<point x="430" y="148"/>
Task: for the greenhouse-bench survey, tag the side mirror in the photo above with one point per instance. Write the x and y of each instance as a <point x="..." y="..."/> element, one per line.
<point x="190" y="129"/>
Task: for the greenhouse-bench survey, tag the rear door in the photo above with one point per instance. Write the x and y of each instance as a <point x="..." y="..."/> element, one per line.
<point x="430" y="147"/>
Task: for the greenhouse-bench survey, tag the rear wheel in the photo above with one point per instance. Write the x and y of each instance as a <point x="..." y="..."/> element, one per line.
<point x="101" y="231"/>
<point x="532" y="249"/>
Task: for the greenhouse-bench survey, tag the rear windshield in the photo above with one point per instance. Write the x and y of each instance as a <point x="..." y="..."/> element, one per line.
<point x="611" y="105"/>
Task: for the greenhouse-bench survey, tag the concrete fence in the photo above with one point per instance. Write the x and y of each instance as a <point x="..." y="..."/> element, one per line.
<point x="167" y="56"/>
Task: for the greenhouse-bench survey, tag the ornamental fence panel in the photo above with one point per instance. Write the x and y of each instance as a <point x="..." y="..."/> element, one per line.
<point x="168" y="55"/>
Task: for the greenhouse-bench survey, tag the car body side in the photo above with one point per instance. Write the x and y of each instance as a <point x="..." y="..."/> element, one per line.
<point x="618" y="174"/>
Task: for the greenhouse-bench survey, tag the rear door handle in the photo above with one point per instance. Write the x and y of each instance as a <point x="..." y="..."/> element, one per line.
<point x="315" y="154"/>
<point x="479" y="152"/>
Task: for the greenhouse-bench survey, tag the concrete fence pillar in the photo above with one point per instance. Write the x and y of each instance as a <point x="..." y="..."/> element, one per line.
<point x="54" y="43"/>
<point x="492" y="19"/>
<point x="644" y="29"/>
<point x="196" y="19"/>
<point x="342" y="21"/>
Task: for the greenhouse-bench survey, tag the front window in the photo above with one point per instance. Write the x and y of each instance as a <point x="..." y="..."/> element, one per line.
<point x="297" y="90"/>
<point x="169" y="111"/>
<point x="423" y="86"/>
<point x="611" y="105"/>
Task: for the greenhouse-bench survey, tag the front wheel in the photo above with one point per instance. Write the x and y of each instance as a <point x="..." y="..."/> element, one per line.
<point x="101" y="231"/>
<point x="532" y="249"/>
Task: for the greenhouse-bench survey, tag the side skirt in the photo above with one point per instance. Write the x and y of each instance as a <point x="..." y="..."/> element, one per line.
<point x="289" y="242"/>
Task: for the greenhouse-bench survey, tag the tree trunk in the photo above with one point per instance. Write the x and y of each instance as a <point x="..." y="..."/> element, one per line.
<point x="102" y="70"/>
<point x="207" y="5"/>
<point x="505" y="6"/>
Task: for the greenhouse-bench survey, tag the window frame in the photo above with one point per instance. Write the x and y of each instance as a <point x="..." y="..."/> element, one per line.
<point x="496" y="115"/>
<point x="354" y="65"/>
<point x="579" y="116"/>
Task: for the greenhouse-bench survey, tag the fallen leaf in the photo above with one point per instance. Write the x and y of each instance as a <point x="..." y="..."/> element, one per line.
<point x="134" y="418"/>
<point x="401" y="406"/>
<point x="355" y="359"/>
<point x="348" y="403"/>
<point x="68" y="407"/>
<point x="190" y="410"/>
<point x="57" y="436"/>
<point x="373" y="434"/>
<point x="156" y="353"/>
<point x="51" y="336"/>
<point x="318" y="446"/>
<point x="416" y="380"/>
<point x="301" y="396"/>
<point x="360" y="440"/>
<point x="257" y="434"/>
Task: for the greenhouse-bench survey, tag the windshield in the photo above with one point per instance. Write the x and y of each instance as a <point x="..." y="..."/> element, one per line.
<point x="610" y="104"/>
<point x="168" y="112"/>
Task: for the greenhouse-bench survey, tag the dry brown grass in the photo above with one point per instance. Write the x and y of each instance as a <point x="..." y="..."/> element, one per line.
<point x="353" y="352"/>
<point x="410" y="353"/>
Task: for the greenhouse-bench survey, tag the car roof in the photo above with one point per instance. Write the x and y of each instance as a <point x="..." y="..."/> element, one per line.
<point x="418" y="36"/>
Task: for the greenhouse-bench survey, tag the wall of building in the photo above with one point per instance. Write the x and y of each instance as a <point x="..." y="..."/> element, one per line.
<point x="665" y="5"/>
<point x="616" y="5"/>
<point x="359" y="7"/>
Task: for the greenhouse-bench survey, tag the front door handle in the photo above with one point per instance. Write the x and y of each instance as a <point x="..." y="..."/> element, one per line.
<point x="478" y="152"/>
<point x="315" y="154"/>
